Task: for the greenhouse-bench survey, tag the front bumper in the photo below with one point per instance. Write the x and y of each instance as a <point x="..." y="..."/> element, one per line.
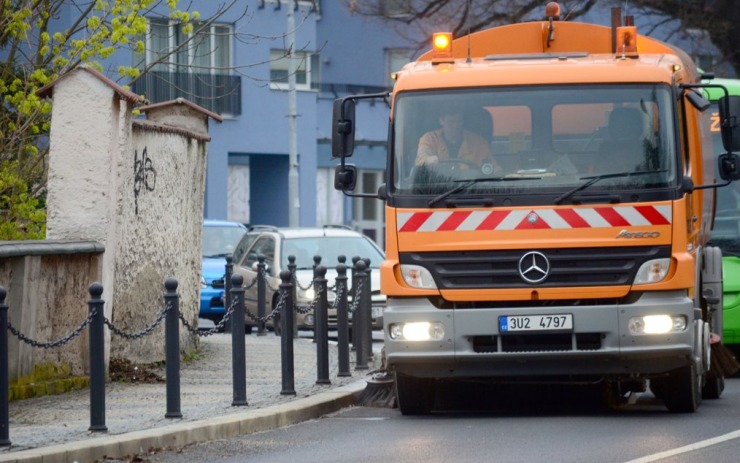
<point x="599" y="344"/>
<point x="211" y="302"/>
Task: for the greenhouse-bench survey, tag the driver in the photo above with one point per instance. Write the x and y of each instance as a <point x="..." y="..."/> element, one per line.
<point x="451" y="141"/>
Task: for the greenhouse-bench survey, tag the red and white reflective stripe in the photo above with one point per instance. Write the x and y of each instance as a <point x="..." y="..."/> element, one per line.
<point x="524" y="219"/>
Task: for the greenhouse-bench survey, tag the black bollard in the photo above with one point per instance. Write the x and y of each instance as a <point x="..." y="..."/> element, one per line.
<point x="321" y="331"/>
<point x="286" y="337"/>
<point x="359" y="319"/>
<point x="342" y="320"/>
<point x="172" y="348"/>
<point x="4" y="375"/>
<point x="293" y="293"/>
<point x="96" y="349"/>
<point x="368" y="315"/>
<point x="238" y="349"/>
<point x="229" y="270"/>
<point x="261" y="295"/>
<point x="316" y="264"/>
<point x="352" y="291"/>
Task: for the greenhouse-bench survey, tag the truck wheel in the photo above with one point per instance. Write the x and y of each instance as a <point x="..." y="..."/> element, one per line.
<point x="657" y="387"/>
<point x="713" y="387"/>
<point x="415" y="396"/>
<point x="682" y="393"/>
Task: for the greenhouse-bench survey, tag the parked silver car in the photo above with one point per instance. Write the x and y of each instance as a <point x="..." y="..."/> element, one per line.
<point x="329" y="242"/>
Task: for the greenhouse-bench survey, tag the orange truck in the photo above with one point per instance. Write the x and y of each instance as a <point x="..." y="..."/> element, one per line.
<point x="549" y="195"/>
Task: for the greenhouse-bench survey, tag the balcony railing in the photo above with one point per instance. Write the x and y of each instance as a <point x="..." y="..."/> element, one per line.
<point x="337" y="90"/>
<point x="219" y="93"/>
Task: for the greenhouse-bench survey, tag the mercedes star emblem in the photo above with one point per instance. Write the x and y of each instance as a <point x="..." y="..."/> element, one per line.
<point x="534" y="267"/>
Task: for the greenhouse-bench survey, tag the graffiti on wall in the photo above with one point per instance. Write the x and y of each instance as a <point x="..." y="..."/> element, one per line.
<point x="145" y="177"/>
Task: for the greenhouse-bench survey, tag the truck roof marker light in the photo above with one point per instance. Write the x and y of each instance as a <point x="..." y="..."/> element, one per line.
<point x="627" y="41"/>
<point x="442" y="47"/>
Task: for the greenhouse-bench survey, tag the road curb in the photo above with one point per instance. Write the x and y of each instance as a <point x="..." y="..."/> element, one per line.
<point x="190" y="432"/>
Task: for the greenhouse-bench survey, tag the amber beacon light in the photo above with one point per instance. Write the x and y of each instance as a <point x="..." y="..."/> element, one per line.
<point x="442" y="47"/>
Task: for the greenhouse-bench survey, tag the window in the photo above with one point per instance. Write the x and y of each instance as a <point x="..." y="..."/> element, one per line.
<point x="396" y="8"/>
<point x="306" y="70"/>
<point x="195" y="67"/>
<point x="396" y="58"/>
<point x="264" y="246"/>
<point x="209" y="52"/>
<point x="313" y="4"/>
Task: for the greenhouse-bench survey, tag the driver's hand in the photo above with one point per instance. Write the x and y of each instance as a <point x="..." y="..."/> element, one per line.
<point x="430" y="160"/>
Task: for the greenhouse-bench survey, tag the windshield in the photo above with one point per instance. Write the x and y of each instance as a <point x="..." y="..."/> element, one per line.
<point x="220" y="241"/>
<point x="726" y="231"/>
<point x="550" y="139"/>
<point x="330" y="248"/>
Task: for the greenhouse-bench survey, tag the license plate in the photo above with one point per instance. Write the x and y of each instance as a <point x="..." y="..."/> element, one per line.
<point x="519" y="323"/>
<point x="377" y="311"/>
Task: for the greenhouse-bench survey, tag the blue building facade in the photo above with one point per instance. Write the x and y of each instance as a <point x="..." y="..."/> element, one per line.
<point x="238" y="69"/>
<point x="241" y="68"/>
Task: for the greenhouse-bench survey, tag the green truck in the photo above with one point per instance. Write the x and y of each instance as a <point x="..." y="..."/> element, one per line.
<point x="726" y="231"/>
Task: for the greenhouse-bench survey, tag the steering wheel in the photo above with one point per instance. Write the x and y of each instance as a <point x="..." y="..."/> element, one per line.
<point x="460" y="162"/>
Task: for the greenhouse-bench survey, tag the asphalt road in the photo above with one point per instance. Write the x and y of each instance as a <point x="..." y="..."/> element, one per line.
<point x="502" y="425"/>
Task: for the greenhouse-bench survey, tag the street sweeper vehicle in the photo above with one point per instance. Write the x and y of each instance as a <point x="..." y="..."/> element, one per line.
<point x="549" y="197"/>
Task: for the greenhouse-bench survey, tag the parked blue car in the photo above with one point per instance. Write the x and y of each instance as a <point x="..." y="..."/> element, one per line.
<point x="219" y="240"/>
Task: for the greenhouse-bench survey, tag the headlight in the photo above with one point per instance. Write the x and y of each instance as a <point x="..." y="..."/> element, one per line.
<point x="418" y="331"/>
<point x="307" y="294"/>
<point x="657" y="324"/>
<point x="417" y="277"/>
<point x="652" y="271"/>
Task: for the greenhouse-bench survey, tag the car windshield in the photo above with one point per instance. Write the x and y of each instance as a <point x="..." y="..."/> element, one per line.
<point x="220" y="240"/>
<point x="551" y="138"/>
<point x="330" y="248"/>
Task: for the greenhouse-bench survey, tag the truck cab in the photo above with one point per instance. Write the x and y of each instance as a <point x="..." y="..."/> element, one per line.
<point x="562" y="236"/>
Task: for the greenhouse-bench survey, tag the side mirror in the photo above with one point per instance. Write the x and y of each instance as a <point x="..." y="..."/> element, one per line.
<point x="345" y="177"/>
<point x="343" y="128"/>
<point x="698" y="101"/>
<point x="729" y="166"/>
<point x="729" y="112"/>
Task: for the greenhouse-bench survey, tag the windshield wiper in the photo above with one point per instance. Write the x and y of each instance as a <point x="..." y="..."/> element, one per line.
<point x="471" y="182"/>
<point x="596" y="178"/>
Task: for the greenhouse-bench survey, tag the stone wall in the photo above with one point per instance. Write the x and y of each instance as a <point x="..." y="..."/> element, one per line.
<point x="47" y="293"/>
<point x="135" y="186"/>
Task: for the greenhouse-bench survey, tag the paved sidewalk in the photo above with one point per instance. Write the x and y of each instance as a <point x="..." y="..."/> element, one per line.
<point x="55" y="428"/>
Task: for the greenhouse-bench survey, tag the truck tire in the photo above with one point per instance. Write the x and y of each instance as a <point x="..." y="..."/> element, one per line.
<point x="713" y="386"/>
<point x="682" y="392"/>
<point x="415" y="396"/>
<point x="657" y="387"/>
